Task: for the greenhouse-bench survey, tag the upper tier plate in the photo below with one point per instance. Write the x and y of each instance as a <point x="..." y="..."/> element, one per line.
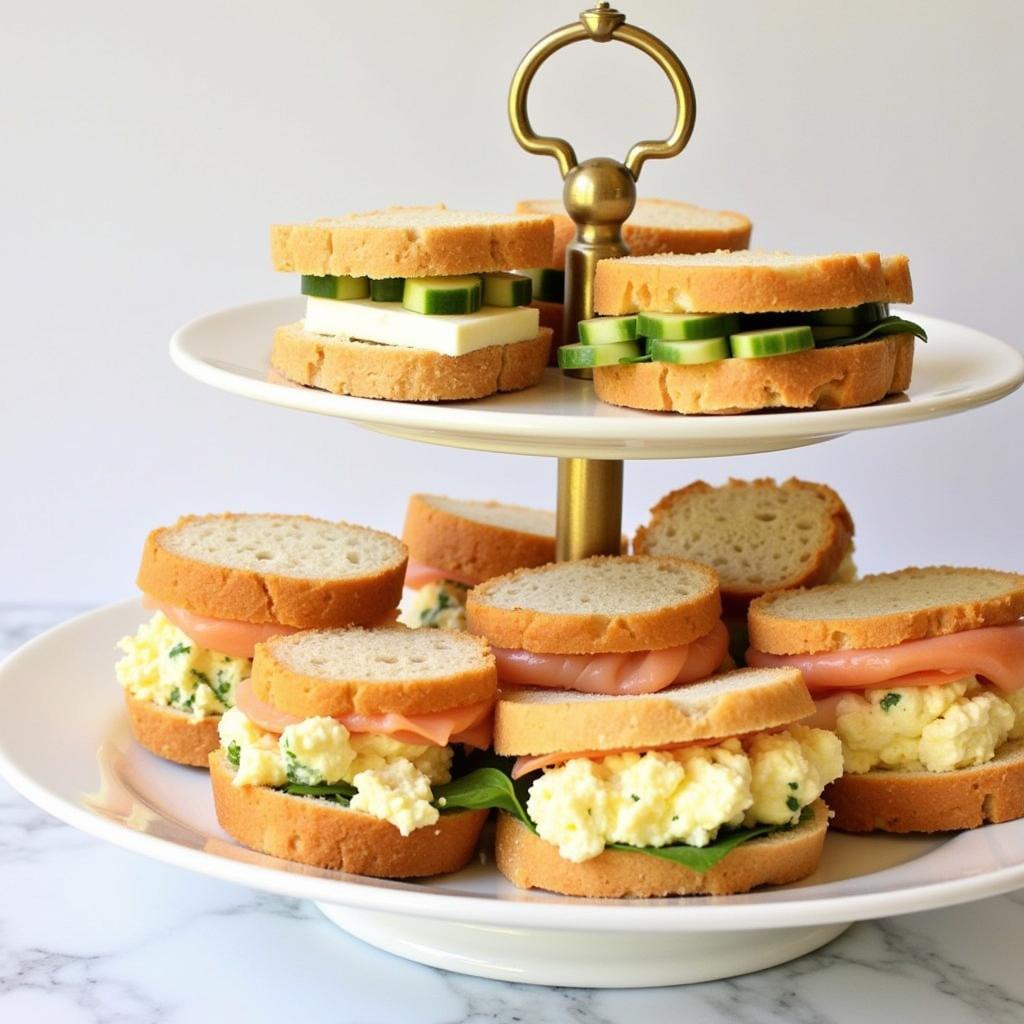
<point x="958" y="369"/>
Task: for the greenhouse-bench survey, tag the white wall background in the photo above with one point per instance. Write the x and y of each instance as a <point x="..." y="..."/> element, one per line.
<point x="146" y="147"/>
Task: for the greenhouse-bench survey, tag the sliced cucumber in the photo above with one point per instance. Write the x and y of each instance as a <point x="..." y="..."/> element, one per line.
<point x="387" y="289"/>
<point x="862" y="315"/>
<point x="690" y="353"/>
<point x="776" y="341"/>
<point x="686" y="326"/>
<point x="442" y="295"/>
<point x="890" y="325"/>
<point x="604" y="330"/>
<point x="581" y="357"/>
<point x="329" y="287"/>
<point x="507" y="290"/>
<point x="548" y="284"/>
<point x="830" y="332"/>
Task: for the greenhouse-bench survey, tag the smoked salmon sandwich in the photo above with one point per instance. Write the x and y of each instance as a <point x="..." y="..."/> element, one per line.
<point x="341" y="752"/>
<point x="220" y="584"/>
<point x="454" y="545"/>
<point x="921" y="674"/>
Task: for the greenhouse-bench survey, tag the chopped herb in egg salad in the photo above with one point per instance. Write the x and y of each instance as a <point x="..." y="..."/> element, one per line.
<point x="437" y="605"/>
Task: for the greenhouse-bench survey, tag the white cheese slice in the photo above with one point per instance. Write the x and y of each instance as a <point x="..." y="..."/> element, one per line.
<point x="389" y="323"/>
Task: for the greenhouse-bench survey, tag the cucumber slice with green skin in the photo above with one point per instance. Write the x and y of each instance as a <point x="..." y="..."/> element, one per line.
<point x="867" y="313"/>
<point x="686" y="326"/>
<point x="507" y="290"/>
<point x="548" y="284"/>
<point x="387" y="289"/>
<point x="581" y="357"/>
<point x="774" y="341"/>
<point x="890" y="325"/>
<point x="605" y="330"/>
<point x="329" y="287"/>
<point x="830" y="332"/>
<point x="442" y="295"/>
<point x="689" y="353"/>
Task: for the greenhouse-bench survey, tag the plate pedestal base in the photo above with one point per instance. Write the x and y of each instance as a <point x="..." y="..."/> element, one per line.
<point x="580" y="959"/>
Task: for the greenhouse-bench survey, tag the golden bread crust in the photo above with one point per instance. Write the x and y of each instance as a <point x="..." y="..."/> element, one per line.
<point x="172" y="734"/>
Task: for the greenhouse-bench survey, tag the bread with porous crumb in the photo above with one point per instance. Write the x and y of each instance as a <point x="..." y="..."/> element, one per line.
<point x="172" y="734"/>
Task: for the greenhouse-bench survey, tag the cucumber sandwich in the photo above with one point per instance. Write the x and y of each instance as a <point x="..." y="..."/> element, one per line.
<point x="414" y="304"/>
<point x="732" y="332"/>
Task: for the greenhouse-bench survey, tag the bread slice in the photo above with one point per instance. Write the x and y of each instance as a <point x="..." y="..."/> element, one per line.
<point x="327" y="835"/>
<point x="885" y="609"/>
<point x="654" y="226"/>
<point x="364" y="369"/>
<point x="606" y="603"/>
<point x="748" y="282"/>
<point x="779" y="858"/>
<point x="373" y="671"/>
<point x="842" y="377"/>
<point x="292" y="570"/>
<point x="901" y="801"/>
<point x="530" y="720"/>
<point x="476" y="540"/>
<point x="758" y="535"/>
<point x="412" y="241"/>
<point x="172" y="734"/>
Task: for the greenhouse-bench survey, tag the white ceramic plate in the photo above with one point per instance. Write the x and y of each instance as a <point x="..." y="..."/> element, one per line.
<point x="958" y="369"/>
<point x="65" y="744"/>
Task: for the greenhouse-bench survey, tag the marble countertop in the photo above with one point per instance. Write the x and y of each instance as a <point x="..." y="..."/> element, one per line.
<point x="92" y="934"/>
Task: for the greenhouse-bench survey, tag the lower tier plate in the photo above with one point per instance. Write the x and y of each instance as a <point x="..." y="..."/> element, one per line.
<point x="65" y="744"/>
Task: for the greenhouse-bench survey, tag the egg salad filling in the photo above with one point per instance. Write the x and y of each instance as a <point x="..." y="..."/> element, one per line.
<point x="319" y="757"/>
<point x="161" y="664"/>
<point x="684" y="796"/>
<point x="927" y="728"/>
<point x="437" y="605"/>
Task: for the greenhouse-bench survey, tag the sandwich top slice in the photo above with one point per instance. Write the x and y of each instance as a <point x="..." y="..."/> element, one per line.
<point x="732" y="332"/>
<point x="414" y="303"/>
<point x="220" y="584"/>
<point x="703" y="788"/>
<point x="341" y="747"/>
<point x="921" y="674"/>
<point x="454" y="545"/>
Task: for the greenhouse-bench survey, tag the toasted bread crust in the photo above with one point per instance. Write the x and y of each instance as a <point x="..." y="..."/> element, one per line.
<point x="626" y="285"/>
<point x="355" y="246"/>
<point x="829" y="378"/>
<point x="473" y="550"/>
<point x="400" y="374"/>
<point x="528" y="862"/>
<point x="552" y="316"/>
<point x="246" y="596"/>
<point x="556" y="633"/>
<point x="326" y="835"/>
<point x="774" y="634"/>
<point x="524" y="728"/>
<point x="821" y="567"/>
<point x="310" y="696"/>
<point x="895" y="801"/>
<point x="172" y="734"/>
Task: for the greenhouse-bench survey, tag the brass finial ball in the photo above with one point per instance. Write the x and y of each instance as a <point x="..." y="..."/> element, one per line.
<point x="599" y="191"/>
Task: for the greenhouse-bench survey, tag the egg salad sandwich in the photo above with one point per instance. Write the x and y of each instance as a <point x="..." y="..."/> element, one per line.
<point x="414" y="304"/>
<point x="921" y="674"/>
<point x="758" y="535"/>
<point x="655" y="225"/>
<point x="454" y="545"/>
<point x="340" y="750"/>
<point x="735" y="332"/>
<point x="220" y="584"/>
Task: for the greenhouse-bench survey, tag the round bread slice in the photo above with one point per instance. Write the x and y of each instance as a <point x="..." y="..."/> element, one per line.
<point x="758" y="535"/>
<point x="842" y="377"/>
<point x="172" y="734"/>
<point x="748" y="282"/>
<point x="597" y="605"/>
<point x="885" y="609"/>
<point x="368" y="370"/>
<point x="778" y="858"/>
<point x="901" y="801"/>
<point x="654" y="226"/>
<point x="531" y="721"/>
<point x="392" y="669"/>
<point x="327" y="835"/>
<point x="291" y="570"/>
<point x="412" y="241"/>
<point x="477" y="539"/>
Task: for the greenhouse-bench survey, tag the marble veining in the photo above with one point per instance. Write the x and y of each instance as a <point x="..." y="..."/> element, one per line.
<point x="90" y="933"/>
